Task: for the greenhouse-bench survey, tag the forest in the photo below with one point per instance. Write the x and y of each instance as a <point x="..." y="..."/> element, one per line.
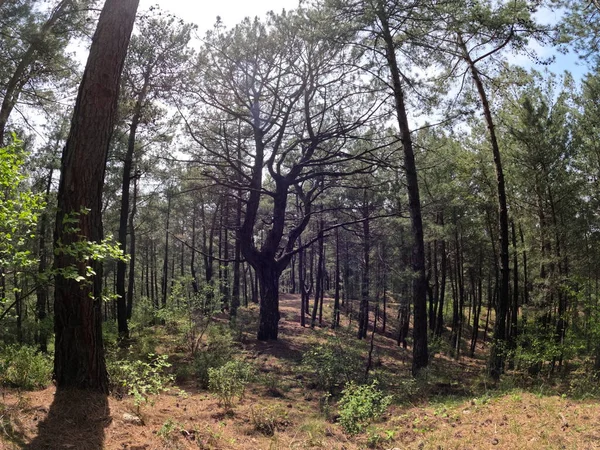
<point x="353" y="224"/>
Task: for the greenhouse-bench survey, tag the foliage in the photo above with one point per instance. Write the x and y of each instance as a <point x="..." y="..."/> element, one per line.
<point x="166" y="431"/>
<point x="24" y="367"/>
<point x="84" y="252"/>
<point x="229" y="381"/>
<point x="360" y="405"/>
<point x="218" y="350"/>
<point x="141" y="379"/>
<point x="333" y="364"/>
<point x="19" y="209"/>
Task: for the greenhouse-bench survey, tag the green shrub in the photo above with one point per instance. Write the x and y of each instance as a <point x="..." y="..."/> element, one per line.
<point x="229" y="381"/>
<point x="360" y="405"/>
<point x="141" y="379"/>
<point x="332" y="365"/>
<point x="24" y="367"/>
<point x="218" y="350"/>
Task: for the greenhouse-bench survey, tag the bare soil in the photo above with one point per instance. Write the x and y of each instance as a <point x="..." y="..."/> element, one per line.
<point x="453" y="408"/>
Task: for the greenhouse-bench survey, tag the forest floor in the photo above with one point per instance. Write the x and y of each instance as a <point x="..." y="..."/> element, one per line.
<point x="451" y="406"/>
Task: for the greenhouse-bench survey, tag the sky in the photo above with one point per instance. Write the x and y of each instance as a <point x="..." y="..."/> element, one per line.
<point x="204" y="13"/>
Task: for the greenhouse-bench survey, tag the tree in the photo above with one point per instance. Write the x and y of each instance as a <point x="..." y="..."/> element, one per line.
<point x="79" y="352"/>
<point x="155" y="64"/>
<point x="40" y="54"/>
<point x="283" y="93"/>
<point x="389" y="27"/>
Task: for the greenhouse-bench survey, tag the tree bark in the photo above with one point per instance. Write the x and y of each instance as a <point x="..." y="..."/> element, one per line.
<point x="79" y="350"/>
<point x="419" y="283"/>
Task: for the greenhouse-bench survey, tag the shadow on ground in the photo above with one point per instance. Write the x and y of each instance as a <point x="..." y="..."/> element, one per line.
<point x="75" y="420"/>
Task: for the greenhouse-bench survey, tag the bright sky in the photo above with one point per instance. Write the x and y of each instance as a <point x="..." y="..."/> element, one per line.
<point x="204" y="13"/>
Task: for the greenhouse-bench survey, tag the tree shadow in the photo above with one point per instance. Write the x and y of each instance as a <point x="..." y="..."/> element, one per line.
<point x="76" y="420"/>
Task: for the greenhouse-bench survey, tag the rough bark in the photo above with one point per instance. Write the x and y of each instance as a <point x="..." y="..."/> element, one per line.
<point x="79" y="351"/>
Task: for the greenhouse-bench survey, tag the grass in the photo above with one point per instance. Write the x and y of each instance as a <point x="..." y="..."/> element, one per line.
<point x="451" y="406"/>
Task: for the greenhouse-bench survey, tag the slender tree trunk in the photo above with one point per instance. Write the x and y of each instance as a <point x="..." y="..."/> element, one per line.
<point x="165" y="272"/>
<point x="132" y="250"/>
<point x="336" y="299"/>
<point x="497" y="356"/>
<point x="42" y="287"/>
<point x="19" y="78"/>
<point x="419" y="283"/>
<point x="444" y="260"/>
<point x="319" y="279"/>
<point x="363" y="315"/>
<point x="79" y="350"/>
<point x="235" y="293"/>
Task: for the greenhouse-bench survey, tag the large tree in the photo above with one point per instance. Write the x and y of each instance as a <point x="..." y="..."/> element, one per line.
<point x="79" y="352"/>
<point x="281" y="100"/>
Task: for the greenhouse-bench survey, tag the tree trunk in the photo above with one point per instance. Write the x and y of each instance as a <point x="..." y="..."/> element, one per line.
<point x="79" y="350"/>
<point x="42" y="288"/>
<point x="268" y="276"/>
<point x="164" y="286"/>
<point x="122" y="314"/>
<point x="363" y="314"/>
<point x="336" y="299"/>
<point x="496" y="353"/>
<point x="419" y="283"/>
<point x="132" y="255"/>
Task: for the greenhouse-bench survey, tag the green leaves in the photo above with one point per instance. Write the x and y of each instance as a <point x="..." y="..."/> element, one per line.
<point x="19" y="210"/>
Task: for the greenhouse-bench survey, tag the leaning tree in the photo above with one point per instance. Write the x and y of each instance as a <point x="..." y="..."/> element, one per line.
<point x="79" y="352"/>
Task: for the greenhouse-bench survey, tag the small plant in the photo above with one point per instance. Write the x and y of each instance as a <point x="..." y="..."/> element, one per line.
<point x="142" y="379"/>
<point x="360" y="405"/>
<point x="325" y="406"/>
<point x="273" y="384"/>
<point x="268" y="419"/>
<point x="218" y="350"/>
<point x="167" y="429"/>
<point x="24" y="367"/>
<point x="229" y="381"/>
<point x="332" y="364"/>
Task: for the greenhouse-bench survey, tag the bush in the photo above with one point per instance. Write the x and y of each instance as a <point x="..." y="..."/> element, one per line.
<point x="141" y="379"/>
<point x="268" y="419"/>
<point x="360" y="405"/>
<point x="332" y="365"/>
<point x="219" y="349"/>
<point x="229" y="381"/>
<point x="24" y="367"/>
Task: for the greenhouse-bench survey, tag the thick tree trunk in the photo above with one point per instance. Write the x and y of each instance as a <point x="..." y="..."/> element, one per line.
<point x="79" y="351"/>
<point x="419" y="283"/>
<point x="268" y="276"/>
